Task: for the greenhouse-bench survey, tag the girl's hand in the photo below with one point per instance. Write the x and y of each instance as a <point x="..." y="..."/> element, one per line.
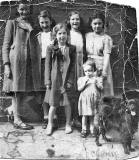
<point x="68" y="85"/>
<point x="7" y="71"/>
<point x="48" y="87"/>
<point x="104" y="75"/>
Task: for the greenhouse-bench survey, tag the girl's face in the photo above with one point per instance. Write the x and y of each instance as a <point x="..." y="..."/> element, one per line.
<point x="45" y="23"/>
<point x="62" y="36"/>
<point x="23" y="10"/>
<point x="75" y="21"/>
<point x="97" y="25"/>
<point x="88" y="71"/>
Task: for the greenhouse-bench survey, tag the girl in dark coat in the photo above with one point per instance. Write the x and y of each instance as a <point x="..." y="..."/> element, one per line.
<point x="59" y="75"/>
<point x="21" y="60"/>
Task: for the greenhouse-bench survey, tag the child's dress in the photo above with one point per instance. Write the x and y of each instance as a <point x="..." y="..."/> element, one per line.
<point x="97" y="46"/>
<point x="89" y="95"/>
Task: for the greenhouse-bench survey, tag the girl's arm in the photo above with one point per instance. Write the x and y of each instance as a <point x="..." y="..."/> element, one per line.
<point x="99" y="82"/>
<point x="71" y="71"/>
<point x="48" y="67"/>
<point x="105" y="65"/>
<point x="7" y="42"/>
<point x="81" y="83"/>
<point x="107" y="51"/>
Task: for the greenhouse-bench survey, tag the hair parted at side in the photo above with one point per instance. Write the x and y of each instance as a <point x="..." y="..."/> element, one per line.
<point x="90" y="62"/>
<point x="58" y="27"/>
<point x="45" y="13"/>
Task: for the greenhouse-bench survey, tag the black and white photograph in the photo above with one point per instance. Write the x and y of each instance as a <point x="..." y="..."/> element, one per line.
<point x="69" y="79"/>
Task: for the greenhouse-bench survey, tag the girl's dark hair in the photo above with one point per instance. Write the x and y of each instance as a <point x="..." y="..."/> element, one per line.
<point x="90" y="62"/>
<point x="44" y="14"/>
<point x="27" y="2"/>
<point x="81" y="27"/>
<point x="57" y="28"/>
<point x="96" y="15"/>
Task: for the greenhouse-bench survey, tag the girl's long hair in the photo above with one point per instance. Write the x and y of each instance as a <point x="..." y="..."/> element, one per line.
<point x="56" y="29"/>
<point x="81" y="27"/>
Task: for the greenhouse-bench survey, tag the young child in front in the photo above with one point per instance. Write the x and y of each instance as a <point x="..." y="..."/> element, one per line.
<point x="90" y="87"/>
<point x="59" y="75"/>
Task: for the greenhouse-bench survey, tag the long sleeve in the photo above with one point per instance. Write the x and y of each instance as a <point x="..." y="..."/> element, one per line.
<point x="8" y="40"/>
<point x="71" y="72"/>
<point x="48" y="66"/>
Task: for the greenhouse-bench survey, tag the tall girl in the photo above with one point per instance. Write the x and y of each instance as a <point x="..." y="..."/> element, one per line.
<point x="77" y="38"/>
<point x="59" y="75"/>
<point x="21" y="60"/>
<point x="98" y="47"/>
<point x="46" y="23"/>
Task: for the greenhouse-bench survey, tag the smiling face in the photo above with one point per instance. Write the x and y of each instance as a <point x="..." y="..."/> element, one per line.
<point x="75" y="21"/>
<point x="62" y="36"/>
<point x="97" y="25"/>
<point x="45" y="23"/>
<point x="23" y="10"/>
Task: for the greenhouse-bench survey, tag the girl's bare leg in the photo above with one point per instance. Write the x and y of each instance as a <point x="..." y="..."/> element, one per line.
<point x="91" y="120"/>
<point x="84" y="123"/>
<point x="68" y="128"/>
<point x="50" y="120"/>
<point x="16" y="102"/>
<point x="45" y="110"/>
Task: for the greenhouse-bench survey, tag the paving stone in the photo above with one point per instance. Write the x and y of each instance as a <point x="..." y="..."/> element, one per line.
<point x="35" y="144"/>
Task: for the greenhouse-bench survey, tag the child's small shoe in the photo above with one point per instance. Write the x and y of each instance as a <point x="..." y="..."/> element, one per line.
<point x="68" y="129"/>
<point x="84" y="133"/>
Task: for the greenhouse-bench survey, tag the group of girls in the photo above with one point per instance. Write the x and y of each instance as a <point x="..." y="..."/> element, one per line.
<point x="59" y="60"/>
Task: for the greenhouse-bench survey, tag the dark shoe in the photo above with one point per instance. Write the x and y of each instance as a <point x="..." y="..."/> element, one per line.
<point x="45" y="122"/>
<point x="23" y="126"/>
<point x="83" y="133"/>
<point x="76" y="123"/>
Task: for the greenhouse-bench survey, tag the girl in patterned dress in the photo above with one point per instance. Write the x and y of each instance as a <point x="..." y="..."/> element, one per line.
<point x="77" y="38"/>
<point x="89" y="86"/>
<point x="98" y="47"/>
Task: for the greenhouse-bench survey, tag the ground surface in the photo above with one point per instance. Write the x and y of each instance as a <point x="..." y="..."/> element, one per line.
<point x="34" y="144"/>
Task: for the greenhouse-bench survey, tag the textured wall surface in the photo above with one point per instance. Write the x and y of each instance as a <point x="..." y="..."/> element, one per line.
<point x="122" y="27"/>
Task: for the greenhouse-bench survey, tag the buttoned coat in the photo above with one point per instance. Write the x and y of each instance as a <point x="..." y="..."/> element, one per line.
<point x="52" y="73"/>
<point x="20" y="51"/>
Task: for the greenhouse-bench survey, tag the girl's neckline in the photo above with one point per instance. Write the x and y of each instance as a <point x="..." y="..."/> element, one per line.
<point x="101" y="34"/>
<point x="73" y="30"/>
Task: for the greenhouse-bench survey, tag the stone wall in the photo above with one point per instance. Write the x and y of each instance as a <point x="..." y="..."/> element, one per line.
<point x="122" y="27"/>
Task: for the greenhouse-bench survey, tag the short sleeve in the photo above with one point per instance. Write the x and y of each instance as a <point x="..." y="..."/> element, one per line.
<point x="108" y="43"/>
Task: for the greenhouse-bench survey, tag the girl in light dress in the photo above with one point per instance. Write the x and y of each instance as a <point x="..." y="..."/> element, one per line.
<point x="46" y="24"/>
<point x="77" y="38"/>
<point x="90" y="86"/>
<point x="98" y="47"/>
